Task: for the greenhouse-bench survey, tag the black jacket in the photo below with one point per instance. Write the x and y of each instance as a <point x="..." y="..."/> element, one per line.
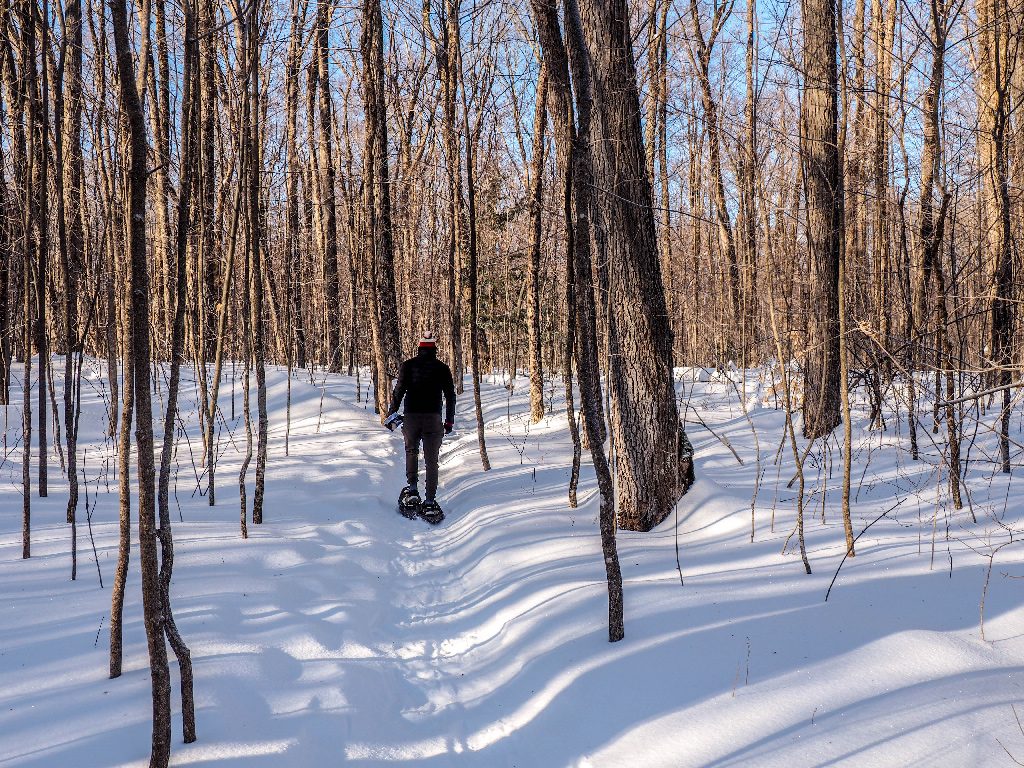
<point x="421" y="382"/>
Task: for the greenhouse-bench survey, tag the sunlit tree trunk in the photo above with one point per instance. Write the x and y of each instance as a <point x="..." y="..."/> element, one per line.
<point x="384" y="315"/>
<point x="139" y="352"/>
<point x="533" y="310"/>
<point x="644" y="418"/>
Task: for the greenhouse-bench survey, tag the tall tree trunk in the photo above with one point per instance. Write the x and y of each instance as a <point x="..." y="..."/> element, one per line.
<point x="7" y="301"/>
<point x="161" y="84"/>
<point x="819" y="157"/>
<point x="701" y="56"/>
<point x="74" y="256"/>
<point x="573" y="154"/>
<point x="9" y="218"/>
<point x="205" y="267"/>
<point x="189" y="133"/>
<point x="644" y="416"/>
<point x="747" y="171"/>
<point x="28" y="254"/>
<point x="139" y="352"/>
<point x="930" y="151"/>
<point x="447" y="46"/>
<point x="41" y="183"/>
<point x="587" y="228"/>
<point x="883" y="26"/>
<point x="255" y="287"/>
<point x="946" y="364"/>
<point x="292" y="233"/>
<point x="998" y="56"/>
<point x="472" y="267"/>
<point x="124" y="494"/>
<point x="533" y="270"/>
<point x="26" y="146"/>
<point x="384" y="316"/>
<point x="327" y="191"/>
<point x="855" y="203"/>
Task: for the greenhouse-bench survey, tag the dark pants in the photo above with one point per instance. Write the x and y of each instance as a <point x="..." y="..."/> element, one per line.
<point x="426" y="427"/>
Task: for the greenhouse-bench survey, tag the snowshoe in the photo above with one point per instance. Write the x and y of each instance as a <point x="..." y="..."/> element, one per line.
<point x="431" y="512"/>
<point x="409" y="502"/>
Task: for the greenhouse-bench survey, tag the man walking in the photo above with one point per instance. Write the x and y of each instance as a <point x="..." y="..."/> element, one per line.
<point x="422" y="381"/>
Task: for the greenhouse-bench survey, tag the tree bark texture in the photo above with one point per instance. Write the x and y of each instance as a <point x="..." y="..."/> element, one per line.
<point x="384" y="316"/>
<point x="533" y="308"/>
<point x="819" y="155"/>
<point x="139" y="351"/>
<point x="644" y="417"/>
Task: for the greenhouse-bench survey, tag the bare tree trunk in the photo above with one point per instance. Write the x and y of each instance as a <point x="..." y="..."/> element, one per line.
<point x="748" y="180"/>
<point x="40" y="185"/>
<point x="245" y="314"/>
<point x="533" y="271"/>
<point x="7" y="302"/>
<point x="999" y="43"/>
<point x="946" y="365"/>
<point x="189" y="155"/>
<point x="854" y="202"/>
<point x="644" y="417"/>
<point x="573" y="150"/>
<point x="74" y="256"/>
<point x="255" y="287"/>
<point x="384" y="317"/>
<point x="447" y="47"/>
<point x="292" y="247"/>
<point x="321" y="69"/>
<point x="26" y="149"/>
<point x="9" y="217"/>
<point x="883" y="27"/>
<point x="124" y="516"/>
<point x="843" y="306"/>
<point x="930" y="150"/>
<point x="701" y="55"/>
<point x="139" y="353"/>
<point x="569" y="344"/>
<point x="823" y="189"/>
<point x="28" y="248"/>
<point x="472" y="267"/>
<point x="586" y="237"/>
<point x="204" y="283"/>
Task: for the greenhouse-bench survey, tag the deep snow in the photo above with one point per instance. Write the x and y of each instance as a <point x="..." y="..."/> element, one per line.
<point x="342" y="634"/>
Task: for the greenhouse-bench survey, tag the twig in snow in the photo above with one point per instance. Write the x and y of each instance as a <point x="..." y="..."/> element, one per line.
<point x="724" y="441"/>
<point x="88" y="515"/>
<point x="1021" y="727"/>
<point x="836" y="575"/>
<point x="984" y="590"/>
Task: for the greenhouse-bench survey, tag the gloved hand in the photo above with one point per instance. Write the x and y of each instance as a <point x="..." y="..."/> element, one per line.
<point x="448" y="427"/>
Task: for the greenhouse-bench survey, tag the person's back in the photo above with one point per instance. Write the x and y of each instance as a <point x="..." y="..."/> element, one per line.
<point x="422" y="383"/>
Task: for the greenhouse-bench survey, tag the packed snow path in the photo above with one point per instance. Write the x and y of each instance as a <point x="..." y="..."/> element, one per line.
<point x="341" y="633"/>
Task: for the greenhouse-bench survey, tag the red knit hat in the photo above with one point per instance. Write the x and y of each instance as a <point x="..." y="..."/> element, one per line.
<point x="428" y="340"/>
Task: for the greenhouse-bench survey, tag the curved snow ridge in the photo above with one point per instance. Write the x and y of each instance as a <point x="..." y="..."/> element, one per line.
<point x="890" y="702"/>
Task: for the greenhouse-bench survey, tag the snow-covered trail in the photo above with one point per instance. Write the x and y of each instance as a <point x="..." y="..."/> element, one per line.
<point x="342" y="634"/>
<point x="338" y="632"/>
